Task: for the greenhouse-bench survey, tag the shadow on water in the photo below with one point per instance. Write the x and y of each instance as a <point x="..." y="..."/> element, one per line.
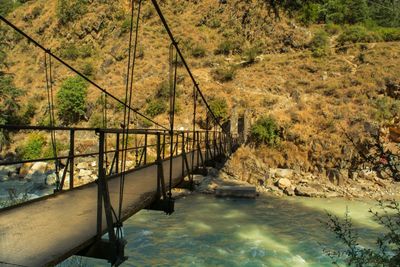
<point x="268" y="231"/>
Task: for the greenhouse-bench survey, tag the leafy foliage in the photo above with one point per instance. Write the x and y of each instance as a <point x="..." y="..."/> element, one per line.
<point x="156" y="107"/>
<point x="224" y="74"/>
<point x="379" y="12"/>
<point x="198" y="51"/>
<point x="71" y="99"/>
<point x="228" y="46"/>
<point x="219" y="107"/>
<point x="71" y="51"/>
<point x="319" y="45"/>
<point x="387" y="252"/>
<point x="6" y="6"/>
<point x="70" y="10"/>
<point x="9" y="105"/>
<point x="33" y="147"/>
<point x="358" y="34"/>
<point x="265" y="131"/>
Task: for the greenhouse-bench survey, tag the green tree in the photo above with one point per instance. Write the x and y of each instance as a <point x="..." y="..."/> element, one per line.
<point x="265" y="131"/>
<point x="9" y="104"/>
<point x="71" y="99"/>
<point x="358" y="11"/>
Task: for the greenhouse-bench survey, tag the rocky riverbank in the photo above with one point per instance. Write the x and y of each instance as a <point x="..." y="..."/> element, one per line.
<point x="39" y="178"/>
<point x="282" y="181"/>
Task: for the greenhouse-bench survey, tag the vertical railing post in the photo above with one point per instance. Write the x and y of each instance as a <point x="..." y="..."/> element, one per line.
<point x="158" y="159"/>
<point x="163" y="150"/>
<point x="71" y="158"/>
<point x="100" y="175"/>
<point x="145" y="148"/>
<point x="117" y="153"/>
<point x="182" y="153"/>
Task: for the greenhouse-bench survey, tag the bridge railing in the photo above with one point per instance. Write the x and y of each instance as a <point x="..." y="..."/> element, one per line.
<point x="140" y="146"/>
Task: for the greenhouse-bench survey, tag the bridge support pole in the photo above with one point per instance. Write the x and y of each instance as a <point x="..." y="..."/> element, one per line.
<point x="185" y="163"/>
<point x="165" y="203"/>
<point x="112" y="249"/>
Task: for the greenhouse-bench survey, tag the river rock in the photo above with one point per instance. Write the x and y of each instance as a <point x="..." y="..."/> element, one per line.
<point x="38" y="168"/>
<point x="282" y="173"/>
<point x="289" y="191"/>
<point x="367" y="175"/>
<point x="25" y="169"/>
<point x="51" y="179"/>
<point x="283" y="183"/>
<point x="305" y="191"/>
<point x="84" y="173"/>
<point x="82" y="165"/>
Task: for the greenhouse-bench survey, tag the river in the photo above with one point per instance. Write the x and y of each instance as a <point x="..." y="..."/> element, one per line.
<point x="268" y="231"/>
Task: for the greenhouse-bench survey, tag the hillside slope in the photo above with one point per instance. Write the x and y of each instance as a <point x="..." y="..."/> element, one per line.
<point x="238" y="52"/>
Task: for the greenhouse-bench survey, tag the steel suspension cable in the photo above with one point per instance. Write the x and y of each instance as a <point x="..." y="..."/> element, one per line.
<point x="50" y="101"/>
<point x="173" y="67"/>
<point x="37" y="44"/>
<point x="127" y="113"/>
<point x="172" y="38"/>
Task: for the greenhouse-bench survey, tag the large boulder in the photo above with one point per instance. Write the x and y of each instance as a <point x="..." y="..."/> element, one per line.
<point x="38" y="168"/>
<point x="82" y="165"/>
<point x="281" y="173"/>
<point x="24" y="170"/>
<point x="305" y="191"/>
<point x="283" y="183"/>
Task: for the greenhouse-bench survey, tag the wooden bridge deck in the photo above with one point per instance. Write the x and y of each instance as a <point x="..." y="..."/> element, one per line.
<point x="47" y="231"/>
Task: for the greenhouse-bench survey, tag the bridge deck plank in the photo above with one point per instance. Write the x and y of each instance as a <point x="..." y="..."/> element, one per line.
<point x="46" y="232"/>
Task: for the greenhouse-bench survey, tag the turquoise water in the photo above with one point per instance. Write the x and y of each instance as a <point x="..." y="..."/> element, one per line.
<point x="268" y="231"/>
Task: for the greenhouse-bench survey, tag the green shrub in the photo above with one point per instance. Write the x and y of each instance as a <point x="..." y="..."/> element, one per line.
<point x="251" y="53"/>
<point x="156" y="107"/>
<point x="228" y="46"/>
<point x="265" y="131"/>
<point x="145" y="123"/>
<point x="224" y="74"/>
<point x="219" y="107"/>
<point x="389" y="34"/>
<point x="33" y="147"/>
<point x="96" y="120"/>
<point x="71" y="99"/>
<point x="163" y="89"/>
<point x="386" y="108"/>
<point x="71" y="51"/>
<point x="332" y="29"/>
<point x="214" y="23"/>
<point x="88" y="69"/>
<point x="6" y="6"/>
<point x="126" y="25"/>
<point x="27" y="113"/>
<point x="319" y="45"/>
<point x="70" y="10"/>
<point x="198" y="51"/>
<point x="351" y="253"/>
<point x="358" y="34"/>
